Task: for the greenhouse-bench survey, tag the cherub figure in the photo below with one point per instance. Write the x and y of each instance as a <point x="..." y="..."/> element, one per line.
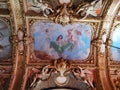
<point x="89" y="9"/>
<point x="39" y="77"/>
<point x="84" y="75"/>
<point x="38" y="6"/>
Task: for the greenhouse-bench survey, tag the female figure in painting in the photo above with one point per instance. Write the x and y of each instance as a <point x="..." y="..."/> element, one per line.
<point x="59" y="46"/>
<point x="59" y="40"/>
<point x="54" y="47"/>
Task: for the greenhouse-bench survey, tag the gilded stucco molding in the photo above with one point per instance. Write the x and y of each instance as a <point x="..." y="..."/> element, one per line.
<point x="104" y="60"/>
<point x="29" y="39"/>
<point x="60" y="72"/>
<point x="18" y="34"/>
<point x="24" y="38"/>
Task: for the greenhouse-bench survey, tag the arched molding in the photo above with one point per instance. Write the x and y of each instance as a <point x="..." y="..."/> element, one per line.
<point x="17" y="23"/>
<point x="103" y="58"/>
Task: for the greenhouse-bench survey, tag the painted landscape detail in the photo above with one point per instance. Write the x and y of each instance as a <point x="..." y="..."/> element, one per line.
<point x="116" y="44"/>
<point x="5" y="45"/>
<point x="53" y="41"/>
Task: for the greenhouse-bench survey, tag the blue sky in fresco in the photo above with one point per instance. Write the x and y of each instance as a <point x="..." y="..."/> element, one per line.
<point x="4" y="41"/>
<point x="116" y="42"/>
<point x="76" y="39"/>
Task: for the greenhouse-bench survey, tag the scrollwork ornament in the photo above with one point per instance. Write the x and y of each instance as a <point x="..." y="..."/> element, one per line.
<point x="63" y="16"/>
<point x="62" y="69"/>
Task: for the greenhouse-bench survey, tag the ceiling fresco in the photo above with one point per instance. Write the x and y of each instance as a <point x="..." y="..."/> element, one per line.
<point x="116" y="44"/>
<point x="5" y="53"/>
<point x="50" y="41"/>
<point x="57" y="41"/>
<point x="114" y="40"/>
<point x="114" y="69"/>
<point x="4" y="40"/>
<point x="5" y="44"/>
<point x="59" y="44"/>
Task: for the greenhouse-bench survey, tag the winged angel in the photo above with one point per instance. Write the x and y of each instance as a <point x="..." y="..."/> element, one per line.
<point x="63" y="10"/>
<point x="92" y="8"/>
<point x="39" y="7"/>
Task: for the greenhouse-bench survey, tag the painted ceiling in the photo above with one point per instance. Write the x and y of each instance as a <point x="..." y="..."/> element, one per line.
<point x="59" y="44"/>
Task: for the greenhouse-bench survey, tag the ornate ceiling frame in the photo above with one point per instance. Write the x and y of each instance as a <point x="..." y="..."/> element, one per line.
<point x="104" y="58"/>
<point x="97" y="35"/>
<point x="116" y="23"/>
<point x="30" y="20"/>
<point x="111" y="60"/>
<point x="6" y="64"/>
<point x="6" y="19"/>
<point x="53" y="18"/>
<point x="18" y="44"/>
<point x="21" y="38"/>
<point x="113" y="65"/>
<point x="32" y="60"/>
